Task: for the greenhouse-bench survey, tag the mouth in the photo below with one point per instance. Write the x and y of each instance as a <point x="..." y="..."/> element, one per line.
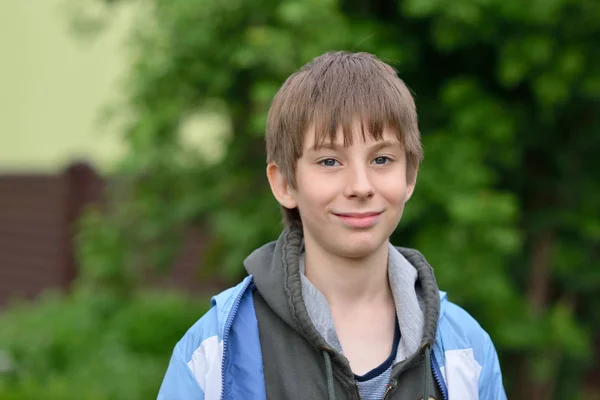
<point x="359" y="220"/>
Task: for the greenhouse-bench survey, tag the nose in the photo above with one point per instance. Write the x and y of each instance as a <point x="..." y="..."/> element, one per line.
<point x="359" y="184"/>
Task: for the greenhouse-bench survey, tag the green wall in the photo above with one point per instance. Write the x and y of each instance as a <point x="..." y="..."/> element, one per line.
<point x="54" y="83"/>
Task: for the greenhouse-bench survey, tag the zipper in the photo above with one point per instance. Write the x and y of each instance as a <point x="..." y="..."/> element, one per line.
<point x="385" y="394"/>
<point x="357" y="390"/>
<point x="438" y="376"/>
<point x="388" y="391"/>
<point x="230" y="318"/>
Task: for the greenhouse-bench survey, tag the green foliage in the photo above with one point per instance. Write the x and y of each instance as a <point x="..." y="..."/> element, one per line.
<point x="90" y="345"/>
<point x="506" y="205"/>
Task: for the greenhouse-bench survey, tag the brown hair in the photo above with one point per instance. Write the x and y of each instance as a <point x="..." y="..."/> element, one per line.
<point x="332" y="91"/>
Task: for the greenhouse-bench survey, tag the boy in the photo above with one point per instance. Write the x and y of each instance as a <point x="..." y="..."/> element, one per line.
<point x="332" y="310"/>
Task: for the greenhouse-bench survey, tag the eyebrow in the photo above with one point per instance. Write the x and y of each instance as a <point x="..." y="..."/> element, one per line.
<point x="336" y="147"/>
<point x="384" y="144"/>
<point x="328" y="146"/>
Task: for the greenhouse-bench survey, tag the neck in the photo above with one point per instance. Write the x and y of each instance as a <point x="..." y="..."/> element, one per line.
<point x="348" y="281"/>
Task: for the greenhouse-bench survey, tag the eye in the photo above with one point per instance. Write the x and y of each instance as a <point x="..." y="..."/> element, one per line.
<point x="329" y="162"/>
<point x="382" y="160"/>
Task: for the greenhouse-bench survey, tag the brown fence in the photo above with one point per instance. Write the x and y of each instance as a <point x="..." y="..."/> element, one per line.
<point x="37" y="215"/>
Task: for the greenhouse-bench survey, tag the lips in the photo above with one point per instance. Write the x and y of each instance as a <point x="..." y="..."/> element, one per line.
<point x="359" y="220"/>
<point x="358" y="215"/>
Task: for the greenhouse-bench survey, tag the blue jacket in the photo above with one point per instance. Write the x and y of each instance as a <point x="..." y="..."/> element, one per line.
<point x="220" y="356"/>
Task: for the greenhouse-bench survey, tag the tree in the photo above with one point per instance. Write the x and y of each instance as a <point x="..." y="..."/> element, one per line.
<point x="506" y="198"/>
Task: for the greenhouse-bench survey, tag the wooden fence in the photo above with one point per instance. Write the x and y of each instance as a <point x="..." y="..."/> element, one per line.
<point x="37" y="216"/>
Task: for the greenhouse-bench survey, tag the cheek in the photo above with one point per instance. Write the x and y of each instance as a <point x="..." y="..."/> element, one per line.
<point x="310" y="198"/>
<point x="317" y="188"/>
<point x="313" y="197"/>
<point x="395" y="192"/>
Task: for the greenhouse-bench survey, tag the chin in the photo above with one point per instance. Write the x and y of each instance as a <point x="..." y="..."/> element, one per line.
<point x="359" y="247"/>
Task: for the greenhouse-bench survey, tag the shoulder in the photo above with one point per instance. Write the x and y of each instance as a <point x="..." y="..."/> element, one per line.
<point x="195" y="367"/>
<point x="205" y="337"/>
<point x="461" y="333"/>
<point x="467" y="357"/>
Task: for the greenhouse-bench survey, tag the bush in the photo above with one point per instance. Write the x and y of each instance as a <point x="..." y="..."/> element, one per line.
<point x="90" y="346"/>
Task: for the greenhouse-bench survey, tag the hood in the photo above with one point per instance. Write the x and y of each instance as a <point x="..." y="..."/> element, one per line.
<point x="275" y="268"/>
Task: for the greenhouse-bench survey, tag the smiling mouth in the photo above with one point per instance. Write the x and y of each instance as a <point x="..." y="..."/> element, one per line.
<point x="359" y="220"/>
<point x="358" y="215"/>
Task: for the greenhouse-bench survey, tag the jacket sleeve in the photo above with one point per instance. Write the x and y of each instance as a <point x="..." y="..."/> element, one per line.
<point x="179" y="382"/>
<point x="490" y="379"/>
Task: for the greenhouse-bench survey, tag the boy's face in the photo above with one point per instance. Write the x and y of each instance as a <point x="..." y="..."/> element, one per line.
<point x="350" y="198"/>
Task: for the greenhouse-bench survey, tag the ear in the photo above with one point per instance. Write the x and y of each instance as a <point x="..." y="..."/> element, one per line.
<point x="279" y="186"/>
<point x="410" y="186"/>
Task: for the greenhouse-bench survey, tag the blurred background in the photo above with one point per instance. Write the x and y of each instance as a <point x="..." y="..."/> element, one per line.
<point x="132" y="174"/>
